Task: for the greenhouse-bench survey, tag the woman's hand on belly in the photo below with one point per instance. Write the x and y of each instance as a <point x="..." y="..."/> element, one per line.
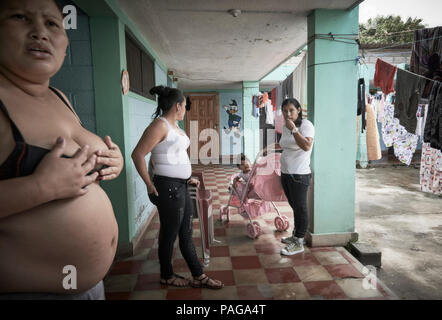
<point x="61" y="178"/>
<point x="111" y="158"/>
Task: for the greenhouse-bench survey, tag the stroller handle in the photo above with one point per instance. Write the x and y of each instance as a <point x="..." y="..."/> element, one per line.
<point x="271" y="148"/>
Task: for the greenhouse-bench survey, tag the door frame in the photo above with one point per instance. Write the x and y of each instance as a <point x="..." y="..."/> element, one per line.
<point x="202" y="94"/>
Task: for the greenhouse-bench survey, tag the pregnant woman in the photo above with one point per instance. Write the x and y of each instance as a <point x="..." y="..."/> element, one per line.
<point x="53" y="212"/>
<point x="168" y="190"/>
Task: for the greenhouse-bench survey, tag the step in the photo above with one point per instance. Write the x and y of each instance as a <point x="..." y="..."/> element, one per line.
<point x="366" y="253"/>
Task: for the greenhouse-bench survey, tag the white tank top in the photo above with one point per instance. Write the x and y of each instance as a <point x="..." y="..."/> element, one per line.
<point x="170" y="157"/>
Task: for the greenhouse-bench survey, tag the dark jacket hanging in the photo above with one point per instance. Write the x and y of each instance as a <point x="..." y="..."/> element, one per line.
<point x="408" y="92"/>
<point x="433" y="128"/>
<point x="361" y="102"/>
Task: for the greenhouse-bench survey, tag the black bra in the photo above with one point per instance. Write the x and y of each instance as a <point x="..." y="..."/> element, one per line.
<point x="25" y="158"/>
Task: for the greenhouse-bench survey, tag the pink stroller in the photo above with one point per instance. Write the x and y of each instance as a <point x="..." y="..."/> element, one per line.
<point x="253" y="198"/>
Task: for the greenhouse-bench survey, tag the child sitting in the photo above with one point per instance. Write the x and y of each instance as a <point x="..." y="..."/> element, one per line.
<point x="246" y="169"/>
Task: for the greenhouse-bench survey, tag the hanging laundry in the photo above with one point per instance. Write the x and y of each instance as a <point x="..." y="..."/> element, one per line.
<point x="361" y="145"/>
<point x="408" y="92"/>
<point x="380" y="112"/>
<point x="279" y="96"/>
<point x="255" y="109"/>
<point x="384" y="76"/>
<point x="279" y="121"/>
<point x="361" y="102"/>
<point x="270" y="115"/>
<point x="260" y="102"/>
<point x="433" y="128"/>
<point x="287" y="87"/>
<point x="421" y="116"/>
<point x="426" y="56"/>
<point x="300" y="81"/>
<point x="395" y="135"/>
<point x="273" y="99"/>
<point x="373" y="145"/>
<point x="265" y="98"/>
<point x="431" y="170"/>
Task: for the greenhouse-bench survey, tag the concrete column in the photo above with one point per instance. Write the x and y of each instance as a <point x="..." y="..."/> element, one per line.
<point x="112" y="116"/>
<point x="332" y="101"/>
<point x="251" y="124"/>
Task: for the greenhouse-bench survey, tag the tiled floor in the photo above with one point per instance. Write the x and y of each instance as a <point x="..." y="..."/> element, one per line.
<point x="250" y="269"/>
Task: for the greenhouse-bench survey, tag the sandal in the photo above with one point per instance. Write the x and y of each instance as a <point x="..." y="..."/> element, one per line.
<point x="206" y="284"/>
<point x="175" y="277"/>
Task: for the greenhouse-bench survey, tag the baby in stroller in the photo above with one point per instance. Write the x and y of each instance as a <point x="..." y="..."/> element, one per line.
<point x="254" y="189"/>
<point x="246" y="169"/>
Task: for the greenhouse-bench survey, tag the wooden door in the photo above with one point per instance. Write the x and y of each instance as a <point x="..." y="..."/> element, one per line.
<point x="205" y="114"/>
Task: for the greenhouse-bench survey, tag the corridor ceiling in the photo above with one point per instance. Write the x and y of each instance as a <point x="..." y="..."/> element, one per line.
<point x="208" y="48"/>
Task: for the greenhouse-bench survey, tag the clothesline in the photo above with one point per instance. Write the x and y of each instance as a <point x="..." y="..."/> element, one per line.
<point x="407" y="31"/>
<point x="415" y="74"/>
<point x="332" y="38"/>
<point x="402" y="44"/>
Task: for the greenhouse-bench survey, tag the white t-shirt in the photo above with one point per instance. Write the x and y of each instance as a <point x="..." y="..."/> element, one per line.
<point x="294" y="160"/>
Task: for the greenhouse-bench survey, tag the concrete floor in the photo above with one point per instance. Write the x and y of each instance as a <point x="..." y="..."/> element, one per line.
<point x="393" y="215"/>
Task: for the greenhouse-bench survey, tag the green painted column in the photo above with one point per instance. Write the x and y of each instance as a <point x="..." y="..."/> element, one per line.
<point x="112" y="115"/>
<point x="251" y="124"/>
<point x="332" y="101"/>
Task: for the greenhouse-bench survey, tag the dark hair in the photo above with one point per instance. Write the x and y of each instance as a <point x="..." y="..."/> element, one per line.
<point x="243" y="158"/>
<point x="56" y="2"/>
<point x="59" y="5"/>
<point x="167" y="97"/>
<point x="297" y="105"/>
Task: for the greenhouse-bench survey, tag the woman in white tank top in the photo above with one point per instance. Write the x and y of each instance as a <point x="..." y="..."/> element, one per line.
<point x="167" y="190"/>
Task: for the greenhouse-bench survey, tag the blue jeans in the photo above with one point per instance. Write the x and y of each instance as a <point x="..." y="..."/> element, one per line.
<point x="295" y="188"/>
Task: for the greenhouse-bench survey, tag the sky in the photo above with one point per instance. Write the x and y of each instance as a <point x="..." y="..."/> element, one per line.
<point x="428" y="10"/>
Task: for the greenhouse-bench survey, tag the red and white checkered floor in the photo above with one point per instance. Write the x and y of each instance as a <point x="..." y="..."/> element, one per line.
<point x="250" y="269"/>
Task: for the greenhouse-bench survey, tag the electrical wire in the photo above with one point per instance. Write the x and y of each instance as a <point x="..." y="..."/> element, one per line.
<point x="332" y="62"/>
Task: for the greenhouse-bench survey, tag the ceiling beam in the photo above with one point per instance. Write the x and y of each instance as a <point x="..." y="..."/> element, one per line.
<point x="354" y="5"/>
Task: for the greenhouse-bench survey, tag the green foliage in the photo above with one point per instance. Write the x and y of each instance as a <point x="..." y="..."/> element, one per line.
<point x="383" y="30"/>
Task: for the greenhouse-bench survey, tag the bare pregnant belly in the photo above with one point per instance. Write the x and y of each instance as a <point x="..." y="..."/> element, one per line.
<point x="36" y="245"/>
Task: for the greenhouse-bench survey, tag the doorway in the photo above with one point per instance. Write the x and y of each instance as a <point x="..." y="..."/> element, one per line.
<point x="204" y="114"/>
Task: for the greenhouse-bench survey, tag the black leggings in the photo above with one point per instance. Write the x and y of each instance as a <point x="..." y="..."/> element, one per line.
<point x="295" y="188"/>
<point x="176" y="216"/>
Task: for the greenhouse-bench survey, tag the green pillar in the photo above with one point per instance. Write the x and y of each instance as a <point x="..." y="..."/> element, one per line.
<point x="251" y="124"/>
<point x="112" y="115"/>
<point x="332" y="101"/>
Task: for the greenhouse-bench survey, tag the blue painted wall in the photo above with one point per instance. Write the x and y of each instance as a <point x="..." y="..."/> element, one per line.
<point x="140" y="117"/>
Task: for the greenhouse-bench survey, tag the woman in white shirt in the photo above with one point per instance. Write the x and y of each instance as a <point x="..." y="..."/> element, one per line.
<point x="168" y="190"/>
<point x="296" y="142"/>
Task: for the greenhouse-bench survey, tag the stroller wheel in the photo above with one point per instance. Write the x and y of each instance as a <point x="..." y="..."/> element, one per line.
<point x="280" y="224"/>
<point x="286" y="223"/>
<point x="252" y="231"/>
<point x="258" y="227"/>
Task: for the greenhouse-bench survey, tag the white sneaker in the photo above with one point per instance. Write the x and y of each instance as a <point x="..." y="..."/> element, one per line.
<point x="288" y="240"/>
<point x="291" y="239"/>
<point x="293" y="248"/>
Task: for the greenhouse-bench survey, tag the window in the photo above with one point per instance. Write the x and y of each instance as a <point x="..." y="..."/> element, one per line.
<point x="141" y="69"/>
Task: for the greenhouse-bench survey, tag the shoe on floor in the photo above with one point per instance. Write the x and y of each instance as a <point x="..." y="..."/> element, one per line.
<point x="288" y="240"/>
<point x="291" y="239"/>
<point x="293" y="248"/>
